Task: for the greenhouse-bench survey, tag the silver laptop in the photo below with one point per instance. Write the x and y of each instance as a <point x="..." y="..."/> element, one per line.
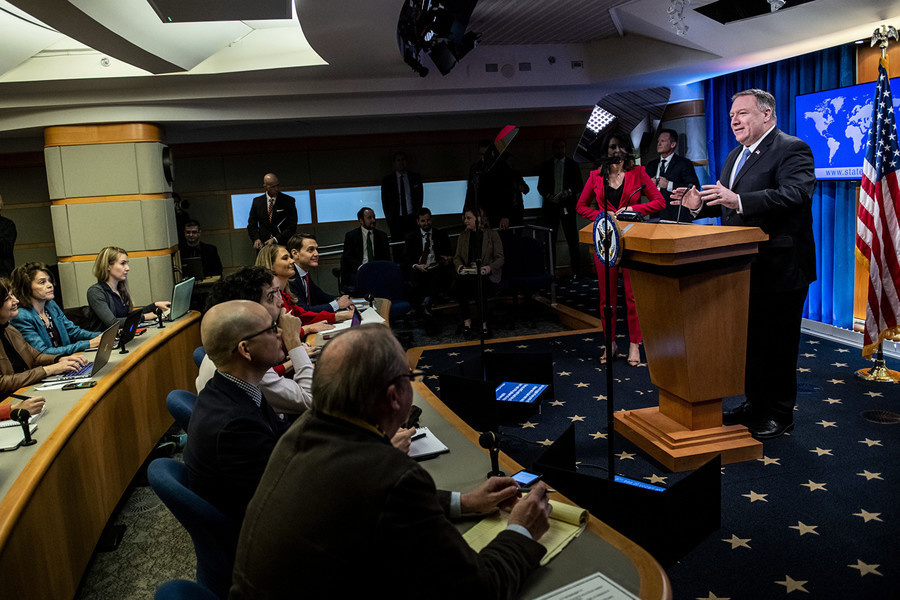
<point x="181" y="298"/>
<point x="107" y="340"/>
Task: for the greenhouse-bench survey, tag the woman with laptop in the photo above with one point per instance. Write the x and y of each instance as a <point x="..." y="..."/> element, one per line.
<point x="20" y="363"/>
<point x="109" y="298"/>
<point x="40" y="320"/>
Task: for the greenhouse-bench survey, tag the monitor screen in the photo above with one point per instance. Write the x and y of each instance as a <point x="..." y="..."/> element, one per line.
<point x="835" y="123"/>
<point x="526" y="393"/>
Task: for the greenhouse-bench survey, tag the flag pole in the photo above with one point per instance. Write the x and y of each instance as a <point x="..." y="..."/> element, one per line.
<point x="879" y="372"/>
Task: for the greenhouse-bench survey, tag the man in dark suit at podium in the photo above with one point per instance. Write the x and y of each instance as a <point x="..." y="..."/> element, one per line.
<point x="767" y="182"/>
<point x="402" y="195"/>
<point x="559" y="184"/>
<point x="339" y="511"/>
<point x="671" y="171"/>
<point x="273" y="215"/>
<point x="361" y="245"/>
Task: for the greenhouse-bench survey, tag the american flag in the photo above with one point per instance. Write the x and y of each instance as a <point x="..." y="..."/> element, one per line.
<point x="877" y="225"/>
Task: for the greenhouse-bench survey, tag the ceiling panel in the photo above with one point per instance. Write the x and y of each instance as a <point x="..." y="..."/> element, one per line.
<point x="543" y="21"/>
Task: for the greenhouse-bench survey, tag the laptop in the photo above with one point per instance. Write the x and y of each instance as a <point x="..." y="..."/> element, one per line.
<point x="107" y="340"/>
<point x="181" y="298"/>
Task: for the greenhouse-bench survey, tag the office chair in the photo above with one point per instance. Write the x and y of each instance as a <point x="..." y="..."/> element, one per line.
<point x="181" y="404"/>
<point x="383" y="279"/>
<point x="199" y="354"/>
<point x="213" y="535"/>
<point x="181" y="589"/>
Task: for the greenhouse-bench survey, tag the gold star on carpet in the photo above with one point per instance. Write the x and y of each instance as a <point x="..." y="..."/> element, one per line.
<point x="870" y="476"/>
<point x="831" y="400"/>
<point x="656" y="479"/>
<point x="870" y="443"/>
<point x="713" y="597"/>
<point x="838" y="364"/>
<point x="865" y="569"/>
<point x="822" y="452"/>
<point x="793" y="585"/>
<point x="576" y="418"/>
<point x="625" y="455"/>
<point x="557" y="403"/>
<point x="522" y="346"/>
<point x="826" y="424"/>
<point x="867" y="516"/>
<point x="808" y="355"/>
<point x="813" y="486"/>
<point x="564" y="373"/>
<point x="803" y="370"/>
<point x="488" y="349"/>
<point x="423" y="367"/>
<point x="873" y="394"/>
<point x="582" y="384"/>
<point x="600" y="397"/>
<point x="546" y="442"/>
<point x="528" y="425"/>
<point x="737" y="542"/>
<point x="804" y="529"/>
<point x="842" y="350"/>
<point x="765" y="460"/>
<point x="812" y="342"/>
<point x="754" y="496"/>
<point x="598" y="435"/>
<point x="587" y="339"/>
<point x="453" y="354"/>
<point x="835" y="381"/>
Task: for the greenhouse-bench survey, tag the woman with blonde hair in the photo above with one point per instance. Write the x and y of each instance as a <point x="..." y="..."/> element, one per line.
<point x="109" y="298"/>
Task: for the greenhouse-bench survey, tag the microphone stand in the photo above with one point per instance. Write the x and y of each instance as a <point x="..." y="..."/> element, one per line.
<point x="607" y="334"/>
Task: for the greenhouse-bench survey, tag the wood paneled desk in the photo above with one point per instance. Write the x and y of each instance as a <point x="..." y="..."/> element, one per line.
<point x="598" y="548"/>
<point x="58" y="495"/>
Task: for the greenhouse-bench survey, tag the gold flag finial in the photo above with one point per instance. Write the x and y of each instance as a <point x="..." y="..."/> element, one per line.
<point x="881" y="35"/>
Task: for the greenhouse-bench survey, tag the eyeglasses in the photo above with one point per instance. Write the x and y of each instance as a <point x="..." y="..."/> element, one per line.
<point x="273" y="328"/>
<point x="412" y="376"/>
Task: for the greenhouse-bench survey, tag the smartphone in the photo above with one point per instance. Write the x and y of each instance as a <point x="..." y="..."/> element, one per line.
<point x="81" y="385"/>
<point x="525" y="479"/>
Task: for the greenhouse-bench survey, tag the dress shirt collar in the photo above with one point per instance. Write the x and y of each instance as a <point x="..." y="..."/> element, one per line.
<point x="752" y="147"/>
<point x="271" y="198"/>
<point x="300" y="271"/>
<point x="251" y="390"/>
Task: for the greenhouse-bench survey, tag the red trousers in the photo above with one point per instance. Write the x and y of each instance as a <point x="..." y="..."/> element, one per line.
<point x="634" y="328"/>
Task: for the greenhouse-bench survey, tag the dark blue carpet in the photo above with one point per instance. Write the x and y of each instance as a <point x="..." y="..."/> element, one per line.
<point x="816" y="517"/>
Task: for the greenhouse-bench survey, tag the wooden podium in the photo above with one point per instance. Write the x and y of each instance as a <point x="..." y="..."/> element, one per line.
<point x="691" y="285"/>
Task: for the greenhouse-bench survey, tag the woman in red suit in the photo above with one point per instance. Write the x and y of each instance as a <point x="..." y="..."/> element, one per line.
<point x="617" y="187"/>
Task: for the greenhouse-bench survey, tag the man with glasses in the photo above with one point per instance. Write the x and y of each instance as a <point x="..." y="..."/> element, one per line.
<point x="339" y="510"/>
<point x="233" y="429"/>
<point x="273" y="215"/>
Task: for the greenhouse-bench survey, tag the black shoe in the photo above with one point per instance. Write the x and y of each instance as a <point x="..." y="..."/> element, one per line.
<point x="467" y="332"/>
<point x="740" y="415"/>
<point x="768" y="429"/>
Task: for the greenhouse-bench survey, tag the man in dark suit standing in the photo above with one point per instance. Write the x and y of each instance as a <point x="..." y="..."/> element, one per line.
<point x="304" y="250"/>
<point x="427" y="258"/>
<point x="671" y="171"/>
<point x="402" y="195"/>
<point x="273" y="215"/>
<point x="361" y="245"/>
<point x="559" y="184"/>
<point x="768" y="183"/>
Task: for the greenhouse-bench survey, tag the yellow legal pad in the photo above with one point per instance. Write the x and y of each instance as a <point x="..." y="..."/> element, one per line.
<point x="566" y="523"/>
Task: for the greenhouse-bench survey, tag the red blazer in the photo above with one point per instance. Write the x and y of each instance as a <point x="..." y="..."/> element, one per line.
<point x="304" y="315"/>
<point x="632" y="182"/>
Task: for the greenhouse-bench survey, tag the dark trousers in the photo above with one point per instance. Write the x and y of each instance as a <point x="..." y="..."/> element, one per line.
<point x="428" y="284"/>
<point x="773" y="342"/>
<point x="466" y="290"/>
<point x="553" y="215"/>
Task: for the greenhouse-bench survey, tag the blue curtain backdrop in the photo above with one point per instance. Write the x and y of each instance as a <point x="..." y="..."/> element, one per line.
<point x="830" y="298"/>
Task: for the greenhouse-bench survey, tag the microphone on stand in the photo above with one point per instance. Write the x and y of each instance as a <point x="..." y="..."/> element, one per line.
<point x="631" y="215"/>
<point x="490" y="441"/>
<point x="159" y="318"/>
<point x="23" y="416"/>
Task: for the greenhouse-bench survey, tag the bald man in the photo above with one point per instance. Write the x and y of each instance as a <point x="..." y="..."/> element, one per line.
<point x="340" y="513"/>
<point x="273" y="215"/>
<point x="233" y="430"/>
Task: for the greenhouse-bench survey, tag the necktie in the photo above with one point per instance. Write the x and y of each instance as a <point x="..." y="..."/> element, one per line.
<point x="662" y="168"/>
<point x="403" y="210"/>
<point x="741" y="162"/>
<point x="271" y="208"/>
<point x="426" y="250"/>
<point x="370" y="253"/>
<point x="306" y="281"/>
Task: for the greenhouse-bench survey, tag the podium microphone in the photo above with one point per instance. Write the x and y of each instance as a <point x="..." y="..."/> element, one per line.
<point x="22" y="416"/>
<point x="490" y="441"/>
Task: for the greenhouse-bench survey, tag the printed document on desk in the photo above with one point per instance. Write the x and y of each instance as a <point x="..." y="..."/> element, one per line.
<point x="593" y="587"/>
<point x="426" y="446"/>
<point x="366" y="316"/>
<point x="11" y="437"/>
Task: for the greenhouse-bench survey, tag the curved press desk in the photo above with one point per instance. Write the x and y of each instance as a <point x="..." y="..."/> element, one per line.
<point x="58" y="495"/>
<point x="598" y="548"/>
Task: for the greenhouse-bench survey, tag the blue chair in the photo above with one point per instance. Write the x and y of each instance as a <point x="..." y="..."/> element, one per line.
<point x="214" y="537"/>
<point x="383" y="279"/>
<point x="183" y="590"/>
<point x="199" y="353"/>
<point x="181" y="404"/>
